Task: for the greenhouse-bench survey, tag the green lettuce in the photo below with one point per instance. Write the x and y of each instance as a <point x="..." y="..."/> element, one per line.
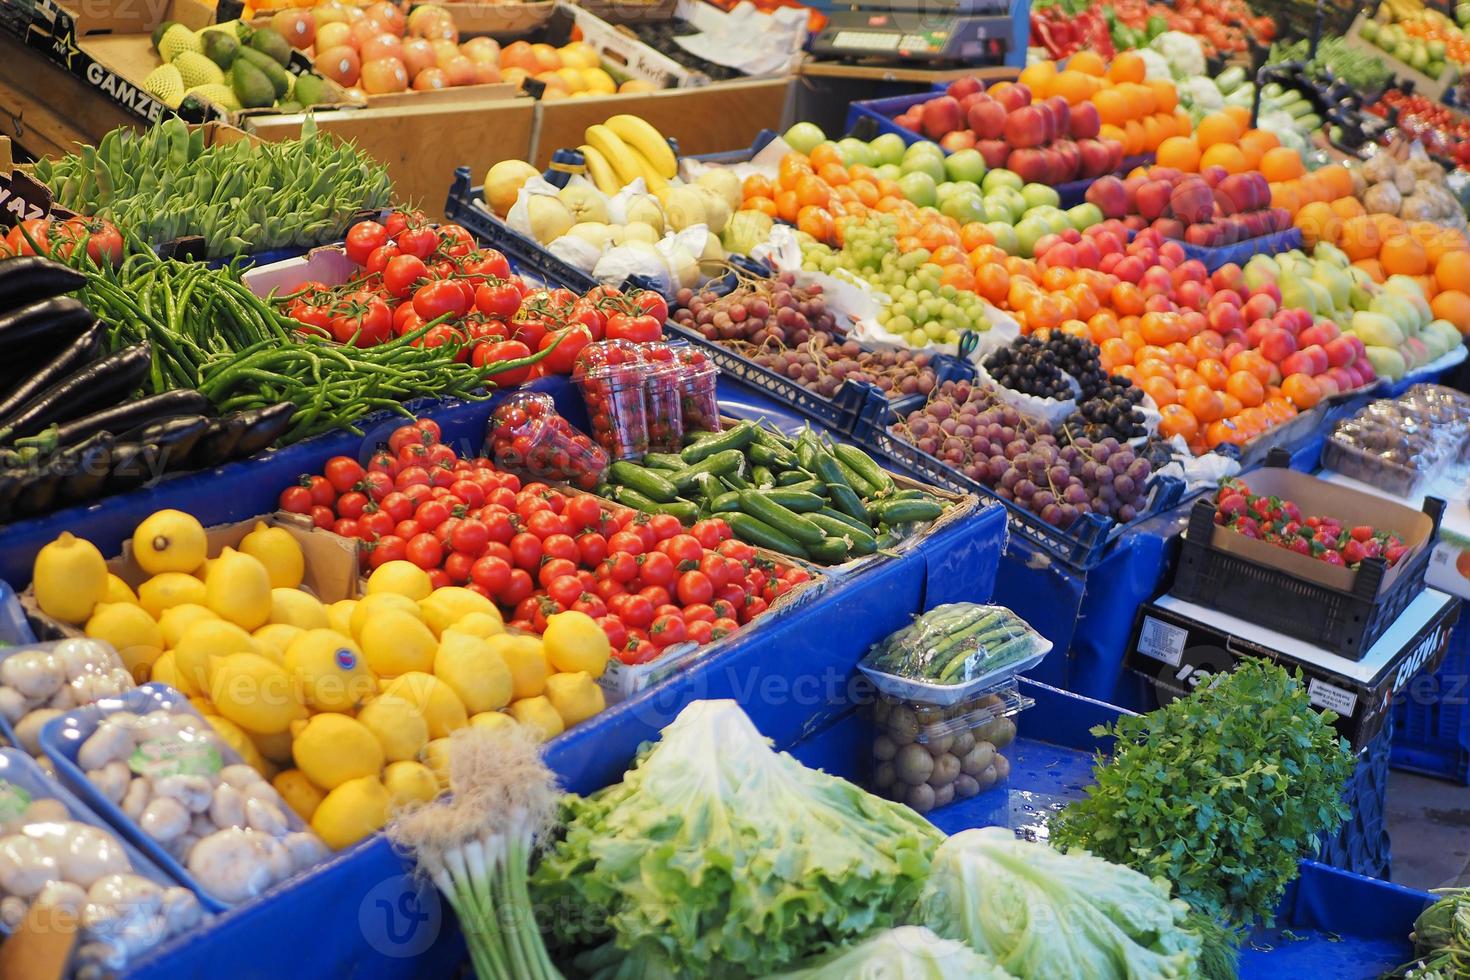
<point x="719" y="858"/>
<point x="1045" y="915"/>
<point x="905" y="953"/>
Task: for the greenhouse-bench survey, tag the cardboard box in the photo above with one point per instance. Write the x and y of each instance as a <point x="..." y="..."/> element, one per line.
<point x="1181" y="645"/>
<point x="1432" y="88"/>
<point x="331" y="566"/>
<point x="710" y="119"/>
<point x="502" y="21"/>
<point x="625" y="56"/>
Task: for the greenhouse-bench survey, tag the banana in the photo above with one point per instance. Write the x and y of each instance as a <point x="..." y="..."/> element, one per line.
<point x="623" y="160"/>
<point x="652" y="179"/>
<point x="639" y="133"/>
<point x="600" y="170"/>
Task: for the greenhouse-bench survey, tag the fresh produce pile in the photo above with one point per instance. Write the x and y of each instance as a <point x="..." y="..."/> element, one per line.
<point x="1336" y="59"/>
<point x="926" y="756"/>
<point x="1441" y="939"/>
<point x="537" y="551"/>
<point x="1217" y="28"/>
<point x="1280" y="522"/>
<point x="1439" y="128"/>
<point x="807" y="497"/>
<point x="346" y="707"/>
<point x="74" y="673"/>
<point x="239" y="196"/>
<point x="1065" y="27"/>
<point x="233" y="66"/>
<point x="1401" y="444"/>
<point x="1187" y="207"/>
<point x="1023" y="461"/>
<point x="1424" y="39"/>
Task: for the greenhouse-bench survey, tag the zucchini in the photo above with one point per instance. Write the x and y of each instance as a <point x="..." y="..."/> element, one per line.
<point x="736" y="438"/>
<point x="793" y="525"/>
<point x="1230" y="79"/>
<point x="647" y="482"/>
<point x="753" y="530"/>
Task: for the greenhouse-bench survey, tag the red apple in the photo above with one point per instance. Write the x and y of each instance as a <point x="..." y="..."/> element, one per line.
<point x="1269" y="289"/>
<point x="1062" y="112"/>
<point x="940" y="116"/>
<point x="1226" y="297"/>
<point x="1191" y="202"/>
<point x="1191" y="295"/>
<point x="1109" y="194"/>
<point x="1277" y="346"/>
<point x="1109" y="262"/>
<point x="1084" y="122"/>
<point x="1257" y="331"/>
<point x="1320" y="333"/>
<point x="966" y="85"/>
<point x="1340" y="352"/>
<point x="1025" y="127"/>
<point x="1071" y="158"/>
<point x="1095" y="159"/>
<point x="1012" y="95"/>
<point x="1296" y="363"/>
<point x="1088" y="253"/>
<point x="974" y="98"/>
<point x="1061" y="254"/>
<point x="1328" y="385"/>
<point x="1135" y="222"/>
<point x="1153" y="200"/>
<point x="1213" y="175"/>
<point x="1032" y="165"/>
<point x="987" y="118"/>
<point x="1345" y="381"/>
<point x="995" y="152"/>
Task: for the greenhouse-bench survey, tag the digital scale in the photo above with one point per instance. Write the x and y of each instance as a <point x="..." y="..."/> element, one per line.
<point x="958" y="32"/>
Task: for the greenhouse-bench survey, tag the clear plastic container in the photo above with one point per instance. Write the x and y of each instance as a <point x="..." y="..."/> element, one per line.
<point x="1401" y="444"/>
<point x="528" y="435"/>
<point x="609" y="374"/>
<point x="157" y="771"/>
<point x="697" y="389"/>
<point x="42" y="681"/>
<point x="57" y="851"/>
<point x="952" y="652"/>
<point x="928" y="755"/>
<point x="663" y="398"/>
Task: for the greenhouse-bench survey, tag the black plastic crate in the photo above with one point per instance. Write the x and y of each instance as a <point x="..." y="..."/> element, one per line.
<point x="465" y="207"/>
<point x="1082" y="546"/>
<point x="1346" y="623"/>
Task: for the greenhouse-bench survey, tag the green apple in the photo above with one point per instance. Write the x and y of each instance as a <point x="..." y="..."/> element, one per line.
<point x="1055" y="219"/>
<point x="1039" y="194"/>
<point x="946" y="188"/>
<point x="887" y="148"/>
<point x="1084" y="216"/>
<point x="932" y="167"/>
<point x="889" y="171"/>
<point x="965" y="165"/>
<point x="1005" y="236"/>
<point x="804" y="137"/>
<point x="855" y="151"/>
<point x="918" y="187"/>
<point x="965" y="208"/>
<point x="1028" y="232"/>
<point x="1014" y="202"/>
<point x="923" y="148"/>
<point x="997" y="179"/>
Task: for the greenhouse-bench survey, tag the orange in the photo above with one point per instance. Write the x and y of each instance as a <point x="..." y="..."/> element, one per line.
<point x="1181" y="356"/>
<point x="815" y="221"/>
<point x="1213" y="372"/>
<point x="1165" y="94"/>
<point x="1133" y="137"/>
<point x="1110" y="132"/>
<point x="1247" y="387"/>
<point x="1253" y="363"/>
<point x="1087" y="62"/>
<point x="1179" y="152"/>
<point x="1337" y="179"/>
<point x="1454" y="306"/>
<point x="1224" y="155"/>
<point x="1452" y="271"/>
<point x="811" y="190"/>
<point x="1233" y="406"/>
<point x="1401" y="255"/>
<point x="1112" y="106"/>
<point x="1114" y="352"/>
<point x="762" y="204"/>
<point x="1188" y="378"/>
<point x="1261" y="139"/>
<point x="1177" y="421"/>
<point x="1361" y="238"/>
<point x="1127" y="67"/>
<point x="1282" y="163"/>
<point x="1216" y="129"/>
<point x="1152" y="367"/>
<point x="1073" y="86"/>
<point x="1161" y="390"/>
<point x="1240" y="114"/>
<point x="1301" y="391"/>
<point x="1222" y="431"/>
<point x="1373" y="268"/>
<point x="1349" y="207"/>
<point x="1318" y="223"/>
<point x="792" y="168"/>
<point x="1038" y="77"/>
<point x="1154" y="132"/>
<point x="787" y="206"/>
<point x="1390" y="226"/>
<point x="974" y="234"/>
<point x="1286" y="195"/>
<point x="825" y="154"/>
<point x="757" y="186"/>
<point x="1127" y="298"/>
<point x="993" y="282"/>
<point x="1103" y="327"/>
<point x="1203" y="404"/>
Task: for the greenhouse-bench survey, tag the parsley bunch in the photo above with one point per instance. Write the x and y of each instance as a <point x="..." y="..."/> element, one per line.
<point x="1221" y="792"/>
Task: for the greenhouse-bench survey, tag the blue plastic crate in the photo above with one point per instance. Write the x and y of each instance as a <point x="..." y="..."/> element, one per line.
<point x="1362" y="844"/>
<point x="1241" y="252"/>
<point x="464" y="207"/>
<point x="15" y="629"/>
<point x="1432" y="716"/>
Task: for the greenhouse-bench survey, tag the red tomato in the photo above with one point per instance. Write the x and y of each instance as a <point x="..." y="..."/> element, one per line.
<point x="439" y="299"/>
<point x="652" y="304"/>
<point x="590" y="604"/>
<point x="420" y="241"/>
<point x="711" y="532"/>
<point x="626" y="542"/>
<point x="345" y="526"/>
<point x="593" y="548"/>
<point x="322" y="491"/>
<point x="352" y="504"/>
<point x="519" y="586"/>
<point x="343" y="473"/>
<point x="470" y="537"/>
<point x="617" y="633"/>
<point x="656" y="569"/>
<point x="545" y="523"/>
<point x="386" y="549"/>
<point x="19" y="239"/>
<point x="378" y="523"/>
<point x="431" y="513"/>
<point x="561" y="546"/>
<point x="499" y="300"/>
<point x="700" y="631"/>
<point x="638" y="329"/>
<point x="565" y="589"/>
<point x="378" y="259"/>
<point x="665" y="526"/>
<point x="322" y="516"/>
<point x="484" y="264"/>
<point x="425" y="551"/>
<point x="455" y="241"/>
<point x="401" y="273"/>
<point x="699" y="612"/>
<point x="104" y="243"/>
<point x="377" y="485"/>
<point x="685" y="548"/>
<point x="362" y="238"/>
<point x="564" y="345"/>
<point x="362" y="320"/>
<point x="296" y="500"/>
<point x="525" y="550"/>
<point x="666" y="631"/>
<point x="656" y="594"/>
<point x="457" y="566"/>
<point x="635" y="610"/>
<point x="695" y="587"/>
<point x="495" y="358"/>
<point x="491" y="573"/>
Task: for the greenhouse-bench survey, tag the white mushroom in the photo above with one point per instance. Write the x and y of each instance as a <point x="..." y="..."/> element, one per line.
<point x="230" y="865"/>
<point x="63" y="700"/>
<point x="80" y="656"/>
<point x="265" y="817"/>
<point x="12" y="704"/>
<point x="181" y="910"/>
<point x="12" y="911"/>
<point x="228" y="807"/>
<point x="305" y="848"/>
<point x="194" y="792"/>
<point x="126" y="720"/>
<point x="25" y="866"/>
<point x="107" y="743"/>
<point x="97" y="959"/>
<point x="180" y="846"/>
<point x="46" y="810"/>
<point x="35" y="674"/>
<point x="87" y="853"/>
<point x="164" y="819"/>
<point x="111" y="780"/>
<point x="133" y="896"/>
<point x="65" y="895"/>
<point x="136" y="798"/>
<point x="28" y="729"/>
<point x="240" y="776"/>
<point x="94" y="687"/>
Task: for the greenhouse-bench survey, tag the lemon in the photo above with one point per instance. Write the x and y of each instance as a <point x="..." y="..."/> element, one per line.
<point x="118" y="591"/>
<point x="339" y="616"/>
<point x="410" y="782"/>
<point x="274" y="548"/>
<point x="275" y="748"/>
<point x="450" y="604"/>
<point x="165" y="671"/>
<point x="436" y="758"/>
<point x="238" y="588"/>
<point x="132" y="633"/>
<point x="398" y="726"/>
<point x="573" y="641"/>
<point x="238" y="739"/>
<point x="205" y="639"/>
<point x="331" y="749"/>
<point x="395" y="642"/>
<point x="403" y="577"/>
<point x="275" y="638"/>
<point x="203" y="705"/>
<point x="298" y="792"/>
<point x="526" y="660"/>
<point x="483" y="625"/>
<point x="356" y="809"/>
<point x="296" y="608"/>
<point x="169" y="541"/>
<point x="492" y="720"/>
<point x="576" y="696"/>
<point x="436" y="701"/>
<point x="539" y="716"/>
<point x="69" y="578"/>
<point x="176" y="619"/>
<point x="329" y="671"/>
<point x="168" y="589"/>
<point x="476" y="673"/>
<point x="369" y="605"/>
<point x="254" y="693"/>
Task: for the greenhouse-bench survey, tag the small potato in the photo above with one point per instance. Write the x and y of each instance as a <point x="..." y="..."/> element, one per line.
<point x="965" y="786"/>
<point x="946" y="769"/>
<point x="883" y="748"/>
<point x="939" y="745"/>
<point x="943" y="795"/>
<point x="920" y="798"/>
<point x="883" y="775"/>
<point x="978" y="759"/>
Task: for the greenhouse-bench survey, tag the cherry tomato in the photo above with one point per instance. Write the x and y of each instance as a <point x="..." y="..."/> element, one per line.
<point x="723" y="627"/>
<point x="592" y="547"/>
<point x="378" y="259"/>
<point x="397" y="506"/>
<point x="323" y="516"/>
<point x="458" y="567"/>
<point x="665" y="526"/>
<point x="525" y="550"/>
<point x="376" y="485"/>
<point x="753" y="607"/>
<point x="363" y="238"/>
<point x="519" y="586"/>
<point x="685" y="548"/>
<point x="351" y="504"/>
<point x="408" y="530"/>
<point x="491" y="573"/>
<point x="626" y="542"/>
<point x="470" y="537"/>
<point x="617" y="633"/>
<point x="590" y="604"/>
<point x="377" y="523"/>
<point x="545" y="523"/>
<point x="695" y="587"/>
<point x="656" y="594"/>
<point x="296" y="500"/>
<point x="564" y="589"/>
<point x="345" y="526"/>
<point x="583" y="510"/>
<point x="636" y="610"/>
<point x="700" y="631"/>
<point x="343" y="473"/>
<point x="438" y="579"/>
<point x="711" y="532"/>
<point x="699" y="612"/>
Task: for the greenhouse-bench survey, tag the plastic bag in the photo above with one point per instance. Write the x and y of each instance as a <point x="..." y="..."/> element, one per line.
<point x="955" y="648"/>
<point x="43" y="681"/>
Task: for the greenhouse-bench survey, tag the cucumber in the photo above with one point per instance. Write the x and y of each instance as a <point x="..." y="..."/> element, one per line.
<point x="726" y="503"/>
<point x="647" y="482"/>
<point x="772" y="439"/>
<point x="663" y="461"/>
<point x="829" y="551"/>
<point x="793" y="525"/>
<point x="863" y="465"/>
<point x="764" y="455"/>
<point x="906" y="511"/>
<point x="792" y="477"/>
<point x="806" y="486"/>
<point x="850" y="521"/>
<point x="629" y="497"/>
<point x="863" y="487"/>
<point x="686" y="512"/>
<point x="1230" y="79"/>
<point x="761" y="476"/>
<point x="726" y="463"/>
<point x="753" y="530"/>
<point x="736" y="438"/>
<point x="849" y="503"/>
<point x="862" y="542"/>
<point x="828" y="470"/>
<point x="796" y="501"/>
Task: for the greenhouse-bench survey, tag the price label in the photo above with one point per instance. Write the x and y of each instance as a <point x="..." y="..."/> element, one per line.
<point x="1162" y="641"/>
<point x="13" y="801"/>
<point x="176" y="756"/>
<point x="1332" y="697"/>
